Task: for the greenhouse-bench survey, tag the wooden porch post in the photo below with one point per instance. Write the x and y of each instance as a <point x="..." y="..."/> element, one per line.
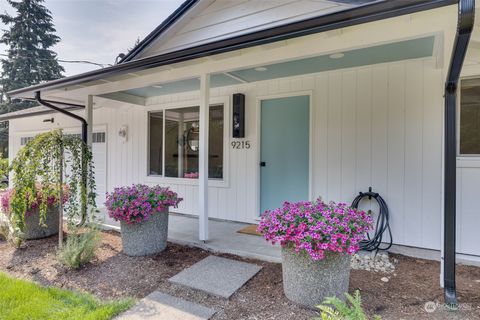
<point x="203" y="158"/>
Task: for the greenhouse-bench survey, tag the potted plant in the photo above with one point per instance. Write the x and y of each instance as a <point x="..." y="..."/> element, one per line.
<point x="143" y="215"/>
<point x="316" y="239"/>
<point x="41" y="217"/>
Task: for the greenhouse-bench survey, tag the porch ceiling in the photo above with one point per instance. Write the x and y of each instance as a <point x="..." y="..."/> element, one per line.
<point x="397" y="51"/>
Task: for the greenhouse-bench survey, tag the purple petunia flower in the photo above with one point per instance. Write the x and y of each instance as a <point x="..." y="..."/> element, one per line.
<point x="316" y="227"/>
<point x="137" y="203"/>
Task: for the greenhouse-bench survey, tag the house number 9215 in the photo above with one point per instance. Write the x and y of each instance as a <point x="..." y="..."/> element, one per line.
<point x="240" y="144"/>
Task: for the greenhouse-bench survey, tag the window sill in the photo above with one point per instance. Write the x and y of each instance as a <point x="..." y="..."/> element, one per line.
<point x="185" y="181"/>
<point x="468" y="161"/>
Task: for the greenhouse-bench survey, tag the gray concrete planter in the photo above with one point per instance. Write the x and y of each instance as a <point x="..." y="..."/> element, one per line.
<point x="145" y="238"/>
<point x="309" y="282"/>
<point x="33" y="230"/>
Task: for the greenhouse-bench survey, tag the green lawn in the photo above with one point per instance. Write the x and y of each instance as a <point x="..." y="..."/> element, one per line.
<point x="22" y="300"/>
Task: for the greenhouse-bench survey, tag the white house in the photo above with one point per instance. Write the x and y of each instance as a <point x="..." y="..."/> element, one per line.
<point x="339" y="96"/>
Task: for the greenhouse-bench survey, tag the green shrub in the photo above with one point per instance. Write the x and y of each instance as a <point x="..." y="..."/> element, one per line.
<point x="3" y="171"/>
<point x="336" y="309"/>
<point x="7" y="233"/>
<point x="79" y="249"/>
<point x="4" y="230"/>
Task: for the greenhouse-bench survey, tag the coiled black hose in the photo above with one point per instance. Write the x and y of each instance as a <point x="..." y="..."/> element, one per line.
<point x="374" y="243"/>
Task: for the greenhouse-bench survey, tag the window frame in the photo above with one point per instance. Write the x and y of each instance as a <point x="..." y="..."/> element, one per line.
<point x="163" y="107"/>
<point x="458" y="120"/>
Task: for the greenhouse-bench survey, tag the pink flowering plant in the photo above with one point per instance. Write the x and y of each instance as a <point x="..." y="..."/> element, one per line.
<point x="316" y="227"/>
<point x="136" y="203"/>
<point x="34" y="202"/>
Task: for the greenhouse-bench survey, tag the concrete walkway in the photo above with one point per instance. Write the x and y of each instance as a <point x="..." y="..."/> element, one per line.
<point x="224" y="238"/>
<point x="161" y="306"/>
<point x="217" y="276"/>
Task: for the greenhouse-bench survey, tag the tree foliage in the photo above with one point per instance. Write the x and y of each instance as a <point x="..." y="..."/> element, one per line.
<point x="29" y="40"/>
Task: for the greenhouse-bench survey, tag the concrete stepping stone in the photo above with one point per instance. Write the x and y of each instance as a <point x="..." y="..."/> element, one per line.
<point x="161" y="306"/>
<point x="217" y="276"/>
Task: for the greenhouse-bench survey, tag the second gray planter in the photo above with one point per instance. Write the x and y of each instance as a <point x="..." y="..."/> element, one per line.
<point x="145" y="238"/>
<point x="309" y="282"/>
<point x="33" y="229"/>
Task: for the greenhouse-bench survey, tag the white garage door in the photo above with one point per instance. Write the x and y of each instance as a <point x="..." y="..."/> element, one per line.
<point x="99" y="152"/>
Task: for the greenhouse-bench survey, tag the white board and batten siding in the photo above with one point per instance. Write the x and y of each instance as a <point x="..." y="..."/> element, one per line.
<point x="227" y="18"/>
<point x="378" y="126"/>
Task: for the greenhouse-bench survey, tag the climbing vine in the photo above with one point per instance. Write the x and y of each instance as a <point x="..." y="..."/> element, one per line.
<point x="38" y="169"/>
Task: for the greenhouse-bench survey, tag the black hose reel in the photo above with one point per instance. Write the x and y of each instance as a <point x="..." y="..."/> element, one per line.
<point x="376" y="242"/>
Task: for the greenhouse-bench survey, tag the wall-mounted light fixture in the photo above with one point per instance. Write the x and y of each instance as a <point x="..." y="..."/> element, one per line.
<point x="238" y="119"/>
<point x="123" y="133"/>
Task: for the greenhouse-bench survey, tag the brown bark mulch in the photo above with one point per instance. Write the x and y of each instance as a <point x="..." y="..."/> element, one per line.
<point x="113" y="274"/>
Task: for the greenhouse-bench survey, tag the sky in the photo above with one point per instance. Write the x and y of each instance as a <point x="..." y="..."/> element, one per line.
<point x="98" y="30"/>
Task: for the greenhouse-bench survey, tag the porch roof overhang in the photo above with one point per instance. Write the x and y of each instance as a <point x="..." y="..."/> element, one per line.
<point x="377" y="10"/>
<point x="421" y="47"/>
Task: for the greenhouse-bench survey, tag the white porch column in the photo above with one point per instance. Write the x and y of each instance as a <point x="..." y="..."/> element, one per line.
<point x="203" y="158"/>
<point x="89" y="118"/>
<point x="181" y="145"/>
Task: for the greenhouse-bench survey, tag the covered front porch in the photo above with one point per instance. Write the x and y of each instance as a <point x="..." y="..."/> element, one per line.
<point x="224" y="237"/>
<point x="374" y="118"/>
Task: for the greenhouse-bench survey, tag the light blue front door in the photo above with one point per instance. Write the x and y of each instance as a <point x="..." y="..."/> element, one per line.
<point x="284" y="156"/>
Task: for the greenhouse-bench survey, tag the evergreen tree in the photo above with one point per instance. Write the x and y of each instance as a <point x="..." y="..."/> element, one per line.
<point x="29" y="40"/>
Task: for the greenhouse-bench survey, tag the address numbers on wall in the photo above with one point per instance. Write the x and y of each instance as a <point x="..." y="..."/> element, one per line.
<point x="240" y="144"/>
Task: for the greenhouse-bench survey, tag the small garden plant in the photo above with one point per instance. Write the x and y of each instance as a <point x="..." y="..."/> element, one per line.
<point x="336" y="309"/>
<point x="3" y="172"/>
<point x="54" y="171"/>
<point x="34" y="202"/>
<point x="136" y="203"/>
<point x="79" y="248"/>
<point x="38" y="177"/>
<point x="316" y="227"/>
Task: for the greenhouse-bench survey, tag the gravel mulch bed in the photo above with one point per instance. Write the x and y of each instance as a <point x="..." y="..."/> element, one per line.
<point x="112" y="274"/>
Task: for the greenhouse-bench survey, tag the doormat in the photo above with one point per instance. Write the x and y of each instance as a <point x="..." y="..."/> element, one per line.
<point x="250" y="229"/>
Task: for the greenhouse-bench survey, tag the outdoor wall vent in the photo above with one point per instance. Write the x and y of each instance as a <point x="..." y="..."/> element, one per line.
<point x="238" y="125"/>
